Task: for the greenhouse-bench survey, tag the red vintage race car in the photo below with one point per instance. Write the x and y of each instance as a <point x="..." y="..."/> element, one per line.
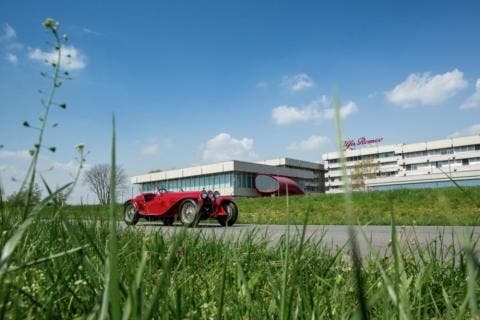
<point x="188" y="207"/>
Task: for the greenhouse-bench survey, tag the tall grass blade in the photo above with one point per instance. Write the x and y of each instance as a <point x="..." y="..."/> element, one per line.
<point x="473" y="273"/>
<point x="222" y="288"/>
<point x="112" y="257"/>
<point x="49" y="258"/>
<point x="347" y="188"/>
<point x="284" y="314"/>
<point x="133" y="305"/>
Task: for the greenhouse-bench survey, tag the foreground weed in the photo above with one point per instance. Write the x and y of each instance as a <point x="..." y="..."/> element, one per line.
<point x="347" y="190"/>
<point x="28" y="185"/>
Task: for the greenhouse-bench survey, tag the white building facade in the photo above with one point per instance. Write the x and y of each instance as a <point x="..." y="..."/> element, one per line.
<point x="235" y="178"/>
<point x="429" y="164"/>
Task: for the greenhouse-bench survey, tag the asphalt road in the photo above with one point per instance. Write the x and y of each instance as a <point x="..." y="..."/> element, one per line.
<point x="377" y="238"/>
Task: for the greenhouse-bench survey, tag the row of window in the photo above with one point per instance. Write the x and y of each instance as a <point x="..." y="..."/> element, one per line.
<point x="442" y="151"/>
<point x="208" y="182"/>
<point x="442" y="164"/>
<point x="378" y="174"/>
<point x="365" y="157"/>
<point x="380" y="165"/>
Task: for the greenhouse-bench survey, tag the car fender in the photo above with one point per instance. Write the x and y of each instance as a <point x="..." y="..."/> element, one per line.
<point x="220" y="205"/>
<point x="174" y="208"/>
<point x="135" y="204"/>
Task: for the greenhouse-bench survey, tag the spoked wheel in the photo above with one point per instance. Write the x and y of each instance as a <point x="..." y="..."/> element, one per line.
<point x="168" y="221"/>
<point x="189" y="213"/>
<point x="130" y="214"/>
<point x="232" y="214"/>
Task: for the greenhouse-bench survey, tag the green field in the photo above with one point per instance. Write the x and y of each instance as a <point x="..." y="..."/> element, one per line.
<point x="449" y="206"/>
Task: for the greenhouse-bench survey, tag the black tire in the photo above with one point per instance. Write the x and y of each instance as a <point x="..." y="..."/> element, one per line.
<point x="168" y="221"/>
<point x="130" y="214"/>
<point x="232" y="210"/>
<point x="189" y="213"/>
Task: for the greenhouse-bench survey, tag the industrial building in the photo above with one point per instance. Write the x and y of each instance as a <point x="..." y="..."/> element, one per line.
<point x="430" y="164"/>
<point x="237" y="178"/>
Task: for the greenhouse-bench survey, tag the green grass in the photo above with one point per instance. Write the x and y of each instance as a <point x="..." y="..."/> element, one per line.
<point x="448" y="206"/>
<point x="186" y="276"/>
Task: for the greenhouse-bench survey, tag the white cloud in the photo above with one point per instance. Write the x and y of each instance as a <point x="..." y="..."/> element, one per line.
<point x="224" y="147"/>
<point x="262" y="84"/>
<point x="20" y="154"/>
<point x="469" y="131"/>
<point x="15" y="163"/>
<point x="474" y="100"/>
<point x="12" y="58"/>
<point x="313" y="111"/>
<point x="372" y="95"/>
<point x="8" y="33"/>
<point x="345" y="110"/>
<point x="90" y="31"/>
<point x="72" y="58"/>
<point x="151" y="150"/>
<point x="287" y="114"/>
<point x="311" y="144"/>
<point x="154" y="145"/>
<point x="427" y="90"/>
<point x="297" y="82"/>
<point x="6" y="168"/>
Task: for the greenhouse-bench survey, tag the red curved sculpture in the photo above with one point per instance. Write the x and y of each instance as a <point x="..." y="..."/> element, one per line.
<point x="267" y="185"/>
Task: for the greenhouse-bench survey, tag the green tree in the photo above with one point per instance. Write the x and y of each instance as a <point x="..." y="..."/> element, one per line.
<point x="361" y="171"/>
<point x="20" y="197"/>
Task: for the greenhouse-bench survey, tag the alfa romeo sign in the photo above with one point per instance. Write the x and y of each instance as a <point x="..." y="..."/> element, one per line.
<point x="351" y="144"/>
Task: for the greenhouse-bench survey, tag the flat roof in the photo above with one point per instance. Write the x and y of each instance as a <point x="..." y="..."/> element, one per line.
<point x="266" y="167"/>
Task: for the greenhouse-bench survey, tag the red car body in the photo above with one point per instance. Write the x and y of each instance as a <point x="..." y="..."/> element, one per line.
<point x="167" y="206"/>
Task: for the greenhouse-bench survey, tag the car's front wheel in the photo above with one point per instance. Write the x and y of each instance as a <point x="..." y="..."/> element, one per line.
<point x="232" y="214"/>
<point x="130" y="214"/>
<point x="189" y="213"/>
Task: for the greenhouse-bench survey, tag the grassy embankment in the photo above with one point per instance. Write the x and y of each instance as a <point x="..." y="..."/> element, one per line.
<point x="449" y="206"/>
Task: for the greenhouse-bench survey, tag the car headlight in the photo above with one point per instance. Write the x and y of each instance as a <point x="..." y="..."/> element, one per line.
<point x="210" y="194"/>
<point x="216" y="194"/>
<point x="204" y="195"/>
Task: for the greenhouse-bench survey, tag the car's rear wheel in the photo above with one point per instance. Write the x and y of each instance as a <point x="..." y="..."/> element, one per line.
<point x="232" y="214"/>
<point x="130" y="214"/>
<point x="168" y="221"/>
<point x="189" y="213"/>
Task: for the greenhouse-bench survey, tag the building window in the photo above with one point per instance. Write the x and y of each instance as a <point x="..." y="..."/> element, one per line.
<point x="465" y="162"/>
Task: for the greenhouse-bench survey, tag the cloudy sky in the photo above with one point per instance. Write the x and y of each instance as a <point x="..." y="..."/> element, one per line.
<point x="202" y="81"/>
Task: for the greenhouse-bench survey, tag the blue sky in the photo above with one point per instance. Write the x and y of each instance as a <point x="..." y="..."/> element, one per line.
<point x="202" y="81"/>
